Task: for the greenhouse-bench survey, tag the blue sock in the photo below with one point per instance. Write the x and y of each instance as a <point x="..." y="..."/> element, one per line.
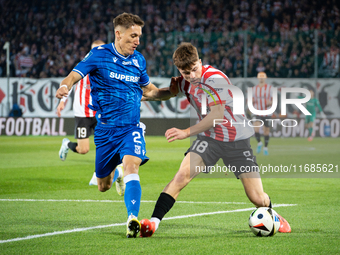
<point x="133" y="194"/>
<point x="116" y="175"/>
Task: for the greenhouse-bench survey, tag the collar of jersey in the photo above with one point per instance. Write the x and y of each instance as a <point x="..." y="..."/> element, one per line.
<point x="120" y="55"/>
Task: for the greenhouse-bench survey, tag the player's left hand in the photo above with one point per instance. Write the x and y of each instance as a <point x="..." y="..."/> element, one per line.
<point x="61" y="92"/>
<point x="173" y="134"/>
<point x="323" y="115"/>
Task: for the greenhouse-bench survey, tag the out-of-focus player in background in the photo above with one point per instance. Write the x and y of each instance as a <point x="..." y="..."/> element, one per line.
<point x="214" y="142"/>
<point x="118" y="80"/>
<point x="311" y="107"/>
<point x="262" y="100"/>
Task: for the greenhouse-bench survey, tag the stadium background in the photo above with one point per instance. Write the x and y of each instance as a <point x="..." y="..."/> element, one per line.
<point x="283" y="38"/>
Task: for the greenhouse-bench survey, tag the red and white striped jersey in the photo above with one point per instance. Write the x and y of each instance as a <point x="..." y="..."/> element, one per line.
<point x="262" y="96"/>
<point x="214" y="81"/>
<point x="82" y="98"/>
<point x="331" y="59"/>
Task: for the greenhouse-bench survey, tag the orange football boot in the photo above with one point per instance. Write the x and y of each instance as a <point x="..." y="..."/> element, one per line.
<point x="284" y="225"/>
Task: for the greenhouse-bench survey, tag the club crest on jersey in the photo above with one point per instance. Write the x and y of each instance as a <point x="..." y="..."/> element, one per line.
<point x="135" y="61"/>
<point x="87" y="56"/>
<point x="137" y="149"/>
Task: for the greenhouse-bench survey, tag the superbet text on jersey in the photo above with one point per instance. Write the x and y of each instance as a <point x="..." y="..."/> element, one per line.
<point x="116" y="82"/>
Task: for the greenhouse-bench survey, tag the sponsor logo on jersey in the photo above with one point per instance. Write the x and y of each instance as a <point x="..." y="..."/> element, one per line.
<point x="115" y="59"/>
<point x="126" y="62"/>
<point x="210" y="81"/>
<point x="87" y="56"/>
<point x="247" y="153"/>
<point x="204" y="97"/>
<point x="137" y="149"/>
<point x="123" y="77"/>
<point x="135" y="61"/>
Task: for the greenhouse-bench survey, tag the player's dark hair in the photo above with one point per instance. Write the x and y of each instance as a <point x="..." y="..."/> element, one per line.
<point x="127" y="20"/>
<point x="185" y="56"/>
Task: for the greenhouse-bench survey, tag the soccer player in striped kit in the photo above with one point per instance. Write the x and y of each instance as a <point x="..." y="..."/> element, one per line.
<point x="231" y="143"/>
<point x="262" y="100"/>
<point x="118" y="80"/>
<point x="85" y="119"/>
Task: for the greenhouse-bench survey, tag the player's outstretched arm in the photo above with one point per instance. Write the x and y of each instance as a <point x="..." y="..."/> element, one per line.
<point x="67" y="83"/>
<point x="152" y="93"/>
<point x="60" y="107"/>
<point x="62" y="103"/>
<point x="216" y="113"/>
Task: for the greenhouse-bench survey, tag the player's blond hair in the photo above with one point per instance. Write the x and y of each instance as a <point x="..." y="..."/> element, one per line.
<point x="185" y="56"/>
<point x="127" y="20"/>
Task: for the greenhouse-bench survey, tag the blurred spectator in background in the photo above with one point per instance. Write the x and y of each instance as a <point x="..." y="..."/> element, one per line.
<point x="48" y="37"/>
<point x="330" y="63"/>
<point x="15" y="111"/>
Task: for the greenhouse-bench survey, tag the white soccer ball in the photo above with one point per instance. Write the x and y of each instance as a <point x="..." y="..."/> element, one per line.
<point x="263" y="222"/>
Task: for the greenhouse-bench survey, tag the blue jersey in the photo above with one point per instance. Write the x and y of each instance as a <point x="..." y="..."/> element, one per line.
<point x="116" y="83"/>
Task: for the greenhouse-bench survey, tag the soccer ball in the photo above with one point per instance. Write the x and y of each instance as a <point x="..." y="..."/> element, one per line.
<point x="145" y="228"/>
<point x="264" y="221"/>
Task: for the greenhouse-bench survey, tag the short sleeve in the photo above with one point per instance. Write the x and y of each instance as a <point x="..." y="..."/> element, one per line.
<point x="217" y="90"/>
<point x="270" y="91"/>
<point x="88" y="64"/>
<point x="183" y="86"/>
<point x="144" y="78"/>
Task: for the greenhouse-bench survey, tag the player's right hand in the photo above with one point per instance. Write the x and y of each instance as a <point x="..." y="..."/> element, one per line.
<point x="173" y="134"/>
<point x="174" y="85"/>
<point x="61" y="92"/>
<point x="60" y="107"/>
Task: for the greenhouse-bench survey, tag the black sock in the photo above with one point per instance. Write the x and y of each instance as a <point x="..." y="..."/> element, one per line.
<point x="72" y="146"/>
<point x="266" y="140"/>
<point x="258" y="137"/>
<point x="270" y="203"/>
<point x="163" y="205"/>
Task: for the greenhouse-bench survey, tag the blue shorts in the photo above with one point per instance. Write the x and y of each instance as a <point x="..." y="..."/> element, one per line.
<point x="113" y="143"/>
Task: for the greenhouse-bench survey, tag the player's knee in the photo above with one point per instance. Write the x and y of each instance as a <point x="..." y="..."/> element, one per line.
<point x="130" y="168"/>
<point x="260" y="200"/>
<point x="103" y="187"/>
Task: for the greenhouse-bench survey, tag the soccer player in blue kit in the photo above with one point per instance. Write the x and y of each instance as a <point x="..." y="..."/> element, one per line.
<point x="118" y="80"/>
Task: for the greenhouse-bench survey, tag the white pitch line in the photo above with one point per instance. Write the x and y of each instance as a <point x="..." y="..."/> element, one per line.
<point x="124" y="223"/>
<point x="220" y="212"/>
<point x="60" y="232"/>
<point x="110" y="201"/>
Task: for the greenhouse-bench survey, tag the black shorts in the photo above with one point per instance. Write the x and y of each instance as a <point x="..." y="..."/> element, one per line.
<point x="237" y="156"/>
<point x="266" y="123"/>
<point x="84" y="126"/>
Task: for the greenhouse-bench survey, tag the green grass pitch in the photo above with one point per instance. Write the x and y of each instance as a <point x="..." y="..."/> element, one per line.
<point x="39" y="194"/>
